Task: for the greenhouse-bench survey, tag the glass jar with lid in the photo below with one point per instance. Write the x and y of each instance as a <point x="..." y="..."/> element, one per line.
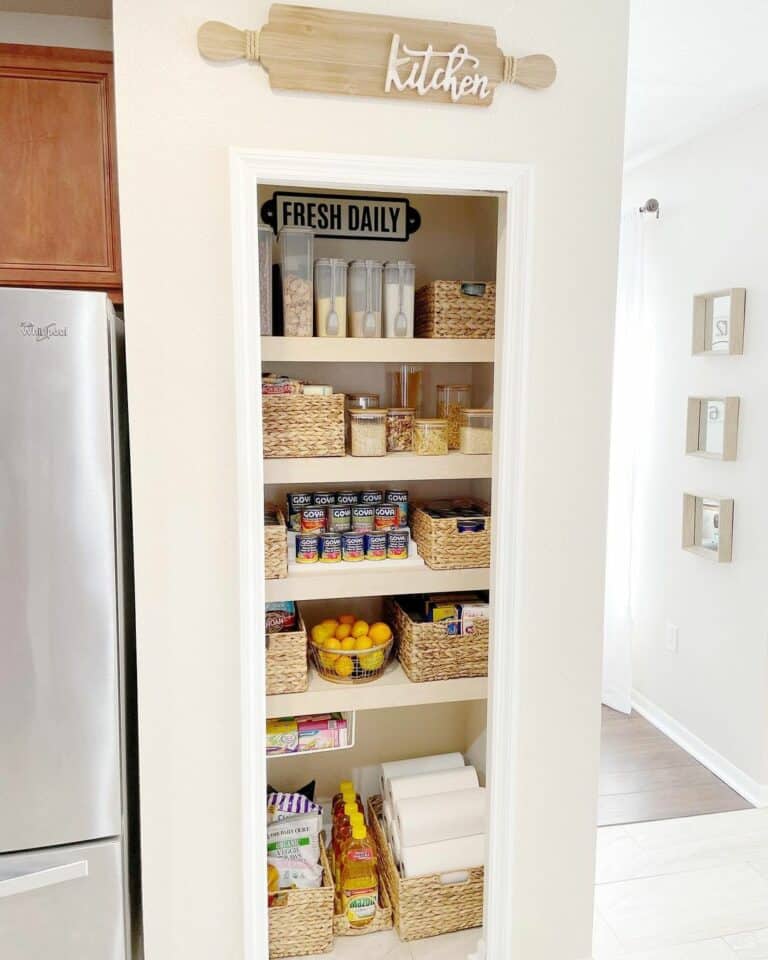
<point x="330" y="298"/>
<point x="400" y="429"/>
<point x="368" y="432"/>
<point x="405" y="386"/>
<point x="365" y="298"/>
<point x="452" y="398"/>
<point x="265" y="280"/>
<point x="399" y="290"/>
<point x="430" y="436"/>
<point x="476" y="431"/>
<point x="296" y="258"/>
<point x="360" y="401"/>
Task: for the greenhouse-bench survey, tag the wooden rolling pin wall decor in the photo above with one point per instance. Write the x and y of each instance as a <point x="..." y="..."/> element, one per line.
<point x="366" y="55"/>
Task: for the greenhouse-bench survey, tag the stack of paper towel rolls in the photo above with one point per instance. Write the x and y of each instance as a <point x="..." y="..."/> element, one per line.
<point x="435" y="813"/>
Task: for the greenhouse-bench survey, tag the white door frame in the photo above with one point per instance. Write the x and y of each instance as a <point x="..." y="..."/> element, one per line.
<point x="513" y="183"/>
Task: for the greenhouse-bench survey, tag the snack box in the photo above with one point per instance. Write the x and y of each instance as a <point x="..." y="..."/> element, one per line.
<point x="282" y="736"/>
<point x="322" y="732"/>
<point x="280" y="616"/>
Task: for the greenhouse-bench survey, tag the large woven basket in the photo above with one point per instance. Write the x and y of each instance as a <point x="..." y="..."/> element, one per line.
<point x="456" y="308"/>
<point x="287" y="661"/>
<point x="425" y="906"/>
<point x="276" y="547"/>
<point x="299" y="426"/>
<point x="301" y="921"/>
<point x="428" y="651"/>
<point x="443" y="547"/>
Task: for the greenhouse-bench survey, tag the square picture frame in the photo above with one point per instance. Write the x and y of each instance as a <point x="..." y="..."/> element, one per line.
<point x="718" y="322"/>
<point x="708" y="527"/>
<point x="712" y="427"/>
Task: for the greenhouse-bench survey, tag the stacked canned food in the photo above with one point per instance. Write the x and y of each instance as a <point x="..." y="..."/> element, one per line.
<point x="349" y="525"/>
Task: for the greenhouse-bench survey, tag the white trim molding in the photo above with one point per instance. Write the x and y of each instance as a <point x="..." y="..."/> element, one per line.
<point x="756" y="793"/>
<point x="513" y="185"/>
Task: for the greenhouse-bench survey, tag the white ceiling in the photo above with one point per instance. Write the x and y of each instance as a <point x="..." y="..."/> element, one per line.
<point x="692" y="64"/>
<point x="66" y="8"/>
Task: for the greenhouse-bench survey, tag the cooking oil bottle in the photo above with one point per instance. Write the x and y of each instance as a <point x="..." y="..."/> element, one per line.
<point x="359" y="876"/>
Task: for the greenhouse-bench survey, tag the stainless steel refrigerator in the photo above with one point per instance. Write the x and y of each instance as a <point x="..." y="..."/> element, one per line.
<point x="65" y="669"/>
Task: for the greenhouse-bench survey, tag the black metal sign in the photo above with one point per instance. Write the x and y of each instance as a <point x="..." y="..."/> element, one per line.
<point x="343" y="216"/>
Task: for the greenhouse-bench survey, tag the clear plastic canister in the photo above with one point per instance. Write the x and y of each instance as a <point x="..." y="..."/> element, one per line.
<point x="360" y="401"/>
<point x="405" y="387"/>
<point x="399" y="291"/>
<point x="265" y="280"/>
<point x="476" y="431"/>
<point x="368" y="433"/>
<point x="365" y="298"/>
<point x="430" y="436"/>
<point x="296" y="259"/>
<point x="400" y="429"/>
<point x="331" y="298"/>
<point x="452" y="398"/>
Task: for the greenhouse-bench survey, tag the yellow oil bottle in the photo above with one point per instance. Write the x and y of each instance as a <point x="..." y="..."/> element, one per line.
<point x="359" y="880"/>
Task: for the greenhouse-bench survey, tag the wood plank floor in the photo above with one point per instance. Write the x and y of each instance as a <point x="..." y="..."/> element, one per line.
<point x="646" y="776"/>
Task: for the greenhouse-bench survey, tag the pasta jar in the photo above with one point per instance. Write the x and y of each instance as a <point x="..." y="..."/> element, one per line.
<point x="430" y="436"/>
<point x="476" y="431"/>
<point x="368" y="433"/>
<point x="365" y="298"/>
<point x="331" y="298"/>
<point x="452" y="398"/>
<point x="400" y="429"/>
<point x="296" y="258"/>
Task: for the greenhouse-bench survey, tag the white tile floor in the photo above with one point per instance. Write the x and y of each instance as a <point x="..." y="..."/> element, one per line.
<point x="388" y="946"/>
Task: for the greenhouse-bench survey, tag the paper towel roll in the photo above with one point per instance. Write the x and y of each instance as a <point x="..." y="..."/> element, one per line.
<point x="407" y="768"/>
<point x="436" y="817"/>
<point x="448" y="856"/>
<point x="397" y="847"/>
<point x="443" y="781"/>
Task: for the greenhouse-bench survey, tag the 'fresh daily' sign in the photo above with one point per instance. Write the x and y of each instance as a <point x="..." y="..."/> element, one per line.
<point x="342" y="216"/>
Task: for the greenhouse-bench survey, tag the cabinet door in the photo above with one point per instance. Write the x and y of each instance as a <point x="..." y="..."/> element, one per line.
<point x="58" y="187"/>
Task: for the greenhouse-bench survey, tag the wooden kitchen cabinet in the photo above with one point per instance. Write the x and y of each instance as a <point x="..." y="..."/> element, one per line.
<point x="58" y="180"/>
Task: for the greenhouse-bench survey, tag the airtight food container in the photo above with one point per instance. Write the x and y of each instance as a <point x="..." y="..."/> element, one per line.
<point x="365" y="298"/>
<point x="452" y="398"/>
<point x="430" y="436"/>
<point x="296" y="257"/>
<point x="399" y="290"/>
<point x="368" y="433"/>
<point x="331" y="298"/>
<point x="476" y="431"/>
<point x="265" y="280"/>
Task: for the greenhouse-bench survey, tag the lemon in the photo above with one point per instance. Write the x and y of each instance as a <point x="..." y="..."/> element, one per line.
<point x="380" y="633"/>
<point x="329" y="659"/>
<point x="349" y="643"/>
<point x="330" y="622"/>
<point x="360" y="628"/>
<point x="344" y="666"/>
<point x="320" y="633"/>
<point x="348" y="618"/>
<point x="363" y="643"/>
<point x="343" y="631"/>
<point x="371" y="661"/>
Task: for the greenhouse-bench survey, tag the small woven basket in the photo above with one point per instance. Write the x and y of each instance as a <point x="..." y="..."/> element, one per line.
<point x="425" y="906"/>
<point x="287" y="670"/>
<point x="455" y="308"/>
<point x="301" y="921"/>
<point x="443" y="547"/>
<point x="275" y="547"/>
<point x="429" y="651"/>
<point x="299" y="426"/>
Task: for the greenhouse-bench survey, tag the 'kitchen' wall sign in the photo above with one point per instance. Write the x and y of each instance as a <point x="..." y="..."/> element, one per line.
<point x="366" y="55"/>
<point x="342" y="216"/>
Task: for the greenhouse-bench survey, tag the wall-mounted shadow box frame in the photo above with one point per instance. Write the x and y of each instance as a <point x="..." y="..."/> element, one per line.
<point x="712" y="427"/>
<point x="708" y="527"/>
<point x="718" y="322"/>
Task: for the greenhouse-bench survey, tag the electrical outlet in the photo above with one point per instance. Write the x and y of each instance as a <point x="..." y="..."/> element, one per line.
<point x="671" y="638"/>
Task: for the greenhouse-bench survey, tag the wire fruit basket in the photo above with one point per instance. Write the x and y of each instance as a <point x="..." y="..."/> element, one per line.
<point x="352" y="666"/>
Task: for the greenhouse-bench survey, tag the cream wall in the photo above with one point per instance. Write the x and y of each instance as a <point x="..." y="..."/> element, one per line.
<point x="714" y="204"/>
<point x="88" y="33"/>
<point x="177" y="116"/>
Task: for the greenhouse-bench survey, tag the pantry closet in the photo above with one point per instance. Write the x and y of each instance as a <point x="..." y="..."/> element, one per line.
<point x="392" y="717"/>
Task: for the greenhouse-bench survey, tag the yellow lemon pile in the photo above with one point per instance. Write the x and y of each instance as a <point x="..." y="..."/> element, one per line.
<point x="343" y="640"/>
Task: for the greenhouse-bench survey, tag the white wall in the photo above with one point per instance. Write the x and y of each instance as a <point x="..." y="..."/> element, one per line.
<point x="88" y="33"/>
<point x="714" y="206"/>
<point x="177" y="116"/>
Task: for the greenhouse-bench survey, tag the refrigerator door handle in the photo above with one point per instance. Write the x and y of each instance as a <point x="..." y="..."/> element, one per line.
<point x="37" y="879"/>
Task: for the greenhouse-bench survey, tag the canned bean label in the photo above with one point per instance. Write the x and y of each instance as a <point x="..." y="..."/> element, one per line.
<point x="323" y="499"/>
<point x="330" y="547"/>
<point x="296" y="502"/>
<point x="347" y="497"/>
<point x="375" y="546"/>
<point x="371" y="496"/>
<point x="400" y="497"/>
<point x="353" y="546"/>
<point x="470" y="526"/>
<point x="397" y="544"/>
<point x="339" y="518"/>
<point x="306" y="548"/>
<point x="362" y="518"/>
<point x="386" y="516"/>
<point x="313" y="520"/>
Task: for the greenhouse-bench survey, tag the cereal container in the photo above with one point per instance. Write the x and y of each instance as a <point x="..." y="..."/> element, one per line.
<point x="400" y="429"/>
<point x="452" y="398"/>
<point x="296" y="257"/>
<point x="476" y="431"/>
<point x="399" y="286"/>
<point x="331" y="298"/>
<point x="368" y="433"/>
<point x="365" y="298"/>
<point x="430" y="436"/>
<point x="265" y="280"/>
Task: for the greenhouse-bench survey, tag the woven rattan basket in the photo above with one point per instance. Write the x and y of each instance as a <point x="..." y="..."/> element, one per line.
<point x="429" y="651"/>
<point x="455" y="308"/>
<point x="444" y="546"/>
<point x="299" y="426"/>
<point x="425" y="906"/>
<point x="275" y="547"/>
<point x="301" y="921"/>
<point x="287" y="661"/>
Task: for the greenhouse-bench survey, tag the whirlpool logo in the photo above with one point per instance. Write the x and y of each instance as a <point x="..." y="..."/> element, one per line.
<point x="39" y="333"/>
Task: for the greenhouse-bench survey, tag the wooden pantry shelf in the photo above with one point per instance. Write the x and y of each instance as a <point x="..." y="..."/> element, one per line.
<point x="366" y="581"/>
<point x="395" y="467"/>
<point x="375" y="350"/>
<point x="394" y="689"/>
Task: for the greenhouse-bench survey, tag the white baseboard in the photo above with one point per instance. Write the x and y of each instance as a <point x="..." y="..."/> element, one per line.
<point x="756" y="793"/>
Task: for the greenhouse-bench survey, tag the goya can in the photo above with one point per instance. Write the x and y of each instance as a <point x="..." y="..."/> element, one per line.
<point x="313" y="520"/>
<point x="386" y="516"/>
<point x="470" y="526"/>
<point x="362" y="518"/>
<point x="339" y="518"/>
<point x="296" y="503"/>
<point x="371" y="497"/>
<point x="307" y="548"/>
<point x="375" y="546"/>
<point x="330" y="547"/>
<point x="353" y="546"/>
<point x="398" y="542"/>
<point x="347" y="497"/>
<point x="400" y="497"/>
<point x="323" y="499"/>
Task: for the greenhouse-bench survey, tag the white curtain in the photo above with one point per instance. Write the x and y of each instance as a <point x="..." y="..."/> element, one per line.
<point x="630" y="376"/>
